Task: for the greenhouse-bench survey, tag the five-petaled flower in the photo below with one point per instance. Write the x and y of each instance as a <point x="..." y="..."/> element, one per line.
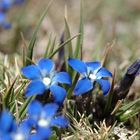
<point x="44" y="77"/>
<point x="91" y="72"/>
<point x="43" y="118"/>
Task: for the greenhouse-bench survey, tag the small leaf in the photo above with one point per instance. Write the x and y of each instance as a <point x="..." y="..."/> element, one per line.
<point x="129" y="110"/>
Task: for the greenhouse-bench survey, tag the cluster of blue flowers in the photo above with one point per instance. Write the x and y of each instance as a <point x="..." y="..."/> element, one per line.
<point x="40" y="119"/>
<point x="37" y="126"/>
<point x="44" y="77"/>
<point x="5" y="5"/>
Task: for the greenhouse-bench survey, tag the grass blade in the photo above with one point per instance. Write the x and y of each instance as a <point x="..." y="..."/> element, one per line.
<point x="23" y="109"/>
<point x="51" y="49"/>
<point x="32" y="42"/>
<point x="47" y="48"/>
<point x="108" y="105"/>
<point x="79" y="44"/>
<point x="62" y="45"/>
<point x="67" y="35"/>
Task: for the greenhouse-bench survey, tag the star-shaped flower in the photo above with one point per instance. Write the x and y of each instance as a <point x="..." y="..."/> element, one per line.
<point x="42" y="118"/>
<point x="44" y="77"/>
<point x="91" y="72"/>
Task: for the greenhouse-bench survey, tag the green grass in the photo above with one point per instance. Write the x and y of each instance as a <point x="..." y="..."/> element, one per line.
<point x="121" y="116"/>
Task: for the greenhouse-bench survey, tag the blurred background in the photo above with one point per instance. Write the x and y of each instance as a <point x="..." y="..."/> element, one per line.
<point x="105" y="22"/>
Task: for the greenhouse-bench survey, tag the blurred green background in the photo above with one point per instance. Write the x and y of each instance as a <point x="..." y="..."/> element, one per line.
<point x="105" y="21"/>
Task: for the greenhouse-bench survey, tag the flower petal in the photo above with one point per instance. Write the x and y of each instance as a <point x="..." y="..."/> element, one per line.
<point x="103" y="72"/>
<point x="35" y="88"/>
<point x="44" y="133"/>
<point x="50" y="109"/>
<point x="78" y="65"/>
<point x="7" y="122"/>
<point x="35" y="137"/>
<point x="34" y="109"/>
<point x="105" y="85"/>
<point x="31" y="72"/>
<point x="23" y="130"/>
<point x="5" y="137"/>
<point x="59" y="93"/>
<point x="62" y="77"/>
<point x="84" y="85"/>
<point x="60" y="121"/>
<point x="93" y="66"/>
<point x="46" y="66"/>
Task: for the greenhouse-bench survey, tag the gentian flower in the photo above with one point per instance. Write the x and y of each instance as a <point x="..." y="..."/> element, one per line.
<point x="91" y="72"/>
<point x="44" y="77"/>
<point x="7" y="125"/>
<point x="43" y="118"/>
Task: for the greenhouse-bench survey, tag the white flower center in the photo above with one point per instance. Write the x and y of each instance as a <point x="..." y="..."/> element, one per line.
<point x="46" y="81"/>
<point x="43" y="122"/>
<point x="19" y="136"/>
<point x="92" y="76"/>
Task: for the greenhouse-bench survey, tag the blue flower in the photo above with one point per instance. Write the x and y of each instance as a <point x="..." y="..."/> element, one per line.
<point x="42" y="118"/>
<point x="44" y="77"/>
<point x="91" y="72"/>
<point x="7" y="125"/>
<point x="3" y="22"/>
<point x="18" y="2"/>
<point x="23" y="131"/>
<point x="7" y="4"/>
<point x="9" y="130"/>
